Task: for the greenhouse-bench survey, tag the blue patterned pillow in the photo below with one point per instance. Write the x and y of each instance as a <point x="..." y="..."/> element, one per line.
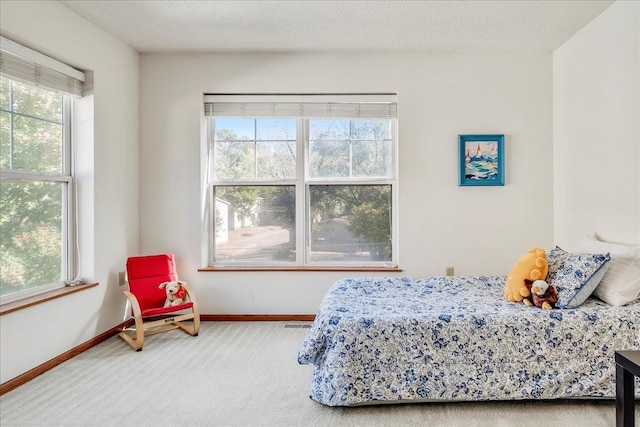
<point x="575" y="276"/>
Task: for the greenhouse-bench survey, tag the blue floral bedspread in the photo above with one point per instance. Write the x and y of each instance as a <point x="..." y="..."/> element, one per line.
<point x="457" y="338"/>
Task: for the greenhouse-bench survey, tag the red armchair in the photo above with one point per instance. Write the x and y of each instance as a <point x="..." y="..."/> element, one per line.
<point x="145" y="274"/>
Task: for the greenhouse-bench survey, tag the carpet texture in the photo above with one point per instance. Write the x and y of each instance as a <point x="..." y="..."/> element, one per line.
<point x="239" y="374"/>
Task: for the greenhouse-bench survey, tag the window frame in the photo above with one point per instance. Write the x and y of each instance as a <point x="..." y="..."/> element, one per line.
<point x="67" y="180"/>
<point x="302" y="183"/>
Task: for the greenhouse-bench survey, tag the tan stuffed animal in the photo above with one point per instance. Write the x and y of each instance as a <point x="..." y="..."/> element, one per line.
<point x="530" y="267"/>
<point x="176" y="293"/>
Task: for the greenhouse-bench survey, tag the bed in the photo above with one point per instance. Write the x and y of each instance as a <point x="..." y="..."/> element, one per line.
<point x="378" y="340"/>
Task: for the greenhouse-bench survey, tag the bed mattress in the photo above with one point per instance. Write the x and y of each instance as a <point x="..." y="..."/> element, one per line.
<point x="377" y="340"/>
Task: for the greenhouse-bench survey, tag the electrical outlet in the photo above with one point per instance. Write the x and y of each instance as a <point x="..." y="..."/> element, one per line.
<point x="122" y="278"/>
<point x="449" y="271"/>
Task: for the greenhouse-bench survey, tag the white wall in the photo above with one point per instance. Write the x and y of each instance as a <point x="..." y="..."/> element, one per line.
<point x="478" y="230"/>
<point x="108" y="178"/>
<point x="596" y="103"/>
<point x="596" y="94"/>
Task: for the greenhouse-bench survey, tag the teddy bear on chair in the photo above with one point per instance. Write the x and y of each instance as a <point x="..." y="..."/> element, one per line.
<point x="176" y="293"/>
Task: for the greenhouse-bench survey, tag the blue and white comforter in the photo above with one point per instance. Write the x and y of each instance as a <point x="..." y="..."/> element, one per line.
<point x="457" y="338"/>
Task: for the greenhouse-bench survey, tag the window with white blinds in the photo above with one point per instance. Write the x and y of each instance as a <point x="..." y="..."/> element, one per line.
<point x="301" y="106"/>
<point x="21" y="63"/>
<point x="37" y="249"/>
<point x="307" y="180"/>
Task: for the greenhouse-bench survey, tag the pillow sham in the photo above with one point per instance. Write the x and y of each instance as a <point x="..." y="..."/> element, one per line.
<point x="575" y="275"/>
<point x="620" y="284"/>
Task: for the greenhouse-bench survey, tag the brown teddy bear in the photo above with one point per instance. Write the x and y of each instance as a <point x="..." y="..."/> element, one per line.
<point x="544" y="295"/>
<point x="530" y="266"/>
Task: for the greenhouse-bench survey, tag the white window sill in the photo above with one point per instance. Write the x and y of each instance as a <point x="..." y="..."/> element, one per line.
<point x="44" y="297"/>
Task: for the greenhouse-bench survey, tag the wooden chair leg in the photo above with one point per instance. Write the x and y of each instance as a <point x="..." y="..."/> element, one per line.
<point x="195" y="329"/>
<point x="138" y="341"/>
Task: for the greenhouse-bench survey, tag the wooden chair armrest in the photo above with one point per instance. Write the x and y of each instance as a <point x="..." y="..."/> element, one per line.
<point x="135" y="306"/>
<point x="192" y="297"/>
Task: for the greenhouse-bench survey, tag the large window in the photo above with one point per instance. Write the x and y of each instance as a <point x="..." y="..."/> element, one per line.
<point x="301" y="181"/>
<point x="36" y="215"/>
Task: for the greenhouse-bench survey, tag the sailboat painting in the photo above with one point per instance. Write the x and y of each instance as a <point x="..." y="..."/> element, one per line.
<point x="481" y="160"/>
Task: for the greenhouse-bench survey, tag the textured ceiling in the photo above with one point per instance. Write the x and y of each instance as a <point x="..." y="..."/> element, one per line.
<point x="431" y="26"/>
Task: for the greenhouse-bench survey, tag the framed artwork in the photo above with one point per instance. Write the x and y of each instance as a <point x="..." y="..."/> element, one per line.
<point x="481" y="160"/>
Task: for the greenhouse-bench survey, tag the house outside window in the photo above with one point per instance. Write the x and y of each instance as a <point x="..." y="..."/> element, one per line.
<point x="301" y="181"/>
<point x="36" y="176"/>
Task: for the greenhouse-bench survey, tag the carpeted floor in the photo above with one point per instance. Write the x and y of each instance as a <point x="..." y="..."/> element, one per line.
<point x="239" y="374"/>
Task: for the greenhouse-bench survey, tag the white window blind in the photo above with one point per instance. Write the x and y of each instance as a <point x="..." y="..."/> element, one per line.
<point x="303" y="106"/>
<point x="21" y="63"/>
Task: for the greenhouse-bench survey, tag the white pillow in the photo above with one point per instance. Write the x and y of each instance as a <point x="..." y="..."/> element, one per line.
<point x="621" y="282"/>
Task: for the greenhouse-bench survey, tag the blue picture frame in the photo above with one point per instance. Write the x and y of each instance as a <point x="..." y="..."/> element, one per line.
<point x="481" y="160"/>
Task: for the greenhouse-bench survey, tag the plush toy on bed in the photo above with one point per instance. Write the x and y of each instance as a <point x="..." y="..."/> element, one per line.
<point x="176" y="293"/>
<point x="530" y="266"/>
<point x="544" y="295"/>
